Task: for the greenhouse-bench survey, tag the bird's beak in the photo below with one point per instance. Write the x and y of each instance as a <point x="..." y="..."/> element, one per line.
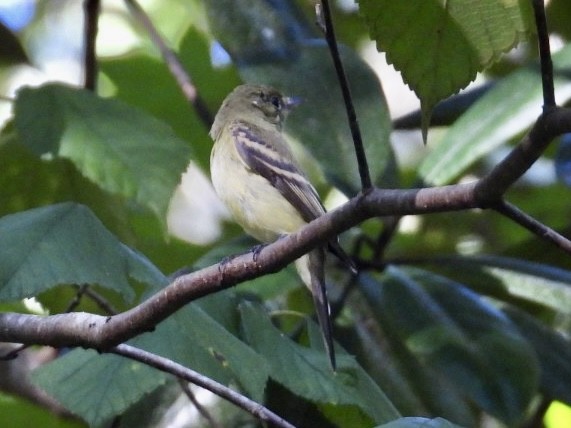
<point x="291" y="102"/>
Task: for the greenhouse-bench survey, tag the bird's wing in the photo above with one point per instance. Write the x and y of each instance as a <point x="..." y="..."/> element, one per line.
<point x="275" y="163"/>
<point x="272" y="160"/>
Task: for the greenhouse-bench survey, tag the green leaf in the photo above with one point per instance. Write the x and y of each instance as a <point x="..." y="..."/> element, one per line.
<point x="469" y="342"/>
<point x="419" y="423"/>
<point x="307" y="373"/>
<point x="505" y="354"/>
<point x="456" y="39"/>
<point x="96" y="386"/>
<point x="22" y="413"/>
<point x="29" y="182"/>
<point x="230" y="354"/>
<point x="509" y="278"/>
<point x="121" y="149"/>
<point x="298" y="64"/>
<point x="162" y="96"/>
<point x="553" y="351"/>
<point x="501" y="114"/>
<point x="65" y="244"/>
<point x="190" y="337"/>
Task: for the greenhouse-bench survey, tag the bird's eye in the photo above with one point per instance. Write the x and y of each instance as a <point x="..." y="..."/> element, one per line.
<point x="276" y="101"/>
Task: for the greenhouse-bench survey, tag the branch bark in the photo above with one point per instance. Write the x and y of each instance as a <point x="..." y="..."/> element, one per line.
<point x="104" y="332"/>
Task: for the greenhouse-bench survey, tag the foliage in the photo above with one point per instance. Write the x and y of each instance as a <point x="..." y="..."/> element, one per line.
<point x="466" y="315"/>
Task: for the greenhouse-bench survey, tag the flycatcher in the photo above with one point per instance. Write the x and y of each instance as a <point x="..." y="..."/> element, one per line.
<point x="255" y="174"/>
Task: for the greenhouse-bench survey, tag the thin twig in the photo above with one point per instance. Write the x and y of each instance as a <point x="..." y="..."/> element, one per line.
<point x="77" y="298"/>
<point x="101" y="301"/>
<point x="534" y="226"/>
<point x="176" y="68"/>
<point x="544" y="54"/>
<point x="91" y="10"/>
<point x="168" y="366"/>
<point x="325" y="21"/>
<point x="203" y="411"/>
<point x="385" y="237"/>
<point x="338" y="305"/>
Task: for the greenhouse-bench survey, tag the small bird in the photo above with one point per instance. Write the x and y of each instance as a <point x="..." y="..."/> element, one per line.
<point x="255" y="174"/>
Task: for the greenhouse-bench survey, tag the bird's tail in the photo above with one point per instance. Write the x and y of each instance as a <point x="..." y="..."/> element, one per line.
<point x="311" y="268"/>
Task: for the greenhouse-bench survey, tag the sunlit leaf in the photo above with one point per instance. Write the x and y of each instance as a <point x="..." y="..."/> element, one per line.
<point x="440" y="46"/>
<point x="507" y="278"/>
<point x="501" y="114"/>
<point x="22" y="413"/>
<point x="118" y="147"/>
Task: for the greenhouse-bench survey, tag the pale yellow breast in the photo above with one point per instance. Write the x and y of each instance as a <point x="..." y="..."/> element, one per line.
<point x="253" y="202"/>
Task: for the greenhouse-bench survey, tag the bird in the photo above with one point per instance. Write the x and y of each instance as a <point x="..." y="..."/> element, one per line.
<point x="256" y="176"/>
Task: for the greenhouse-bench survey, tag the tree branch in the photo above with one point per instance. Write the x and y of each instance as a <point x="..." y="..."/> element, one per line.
<point x="168" y="366"/>
<point x="100" y="332"/>
<point x="514" y="213"/>
<point x="552" y="123"/>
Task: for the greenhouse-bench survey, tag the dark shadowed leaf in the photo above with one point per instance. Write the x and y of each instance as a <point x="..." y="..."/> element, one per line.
<point x="448" y="328"/>
<point x="419" y="423"/>
<point x="307" y="373"/>
<point x="553" y="351"/>
<point x="11" y="50"/>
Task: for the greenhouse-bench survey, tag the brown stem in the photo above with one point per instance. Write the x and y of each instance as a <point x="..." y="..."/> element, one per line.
<point x="168" y="366"/>
<point x="91" y="11"/>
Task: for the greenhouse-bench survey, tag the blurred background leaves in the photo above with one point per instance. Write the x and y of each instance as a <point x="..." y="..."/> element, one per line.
<point x="466" y="317"/>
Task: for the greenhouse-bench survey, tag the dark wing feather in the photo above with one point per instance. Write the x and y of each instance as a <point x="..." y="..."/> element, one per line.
<point x="275" y="163"/>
